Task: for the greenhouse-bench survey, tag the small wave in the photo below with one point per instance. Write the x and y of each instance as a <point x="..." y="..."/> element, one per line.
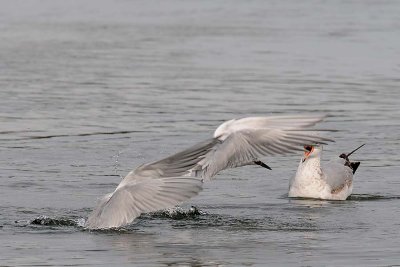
<point x="178" y="217"/>
<point x="354" y="197"/>
<point x="176" y="213"/>
<point x="370" y="197"/>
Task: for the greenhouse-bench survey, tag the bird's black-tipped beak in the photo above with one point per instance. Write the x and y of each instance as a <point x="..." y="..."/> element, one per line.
<point x="262" y="164"/>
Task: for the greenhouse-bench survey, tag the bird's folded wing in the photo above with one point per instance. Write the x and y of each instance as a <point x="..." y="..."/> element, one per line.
<point x="336" y="174"/>
<point x="244" y="146"/>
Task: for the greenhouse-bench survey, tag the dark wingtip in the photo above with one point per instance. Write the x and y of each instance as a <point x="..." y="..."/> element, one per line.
<point x="355" y="150"/>
<point x="354" y="166"/>
<point x="262" y="164"/>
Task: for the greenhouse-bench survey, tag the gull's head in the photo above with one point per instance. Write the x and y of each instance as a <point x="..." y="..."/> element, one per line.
<point x="311" y="151"/>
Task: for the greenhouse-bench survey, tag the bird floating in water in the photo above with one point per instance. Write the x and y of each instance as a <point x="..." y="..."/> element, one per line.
<point x="332" y="181"/>
<point x="172" y="180"/>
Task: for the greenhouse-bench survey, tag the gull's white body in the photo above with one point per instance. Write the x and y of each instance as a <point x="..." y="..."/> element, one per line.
<point x="170" y="181"/>
<point x="331" y="181"/>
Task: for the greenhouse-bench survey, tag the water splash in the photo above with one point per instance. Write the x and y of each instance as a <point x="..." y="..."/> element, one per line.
<point x="61" y="221"/>
<point x="116" y="163"/>
<point x="81" y="222"/>
<point x="177" y="213"/>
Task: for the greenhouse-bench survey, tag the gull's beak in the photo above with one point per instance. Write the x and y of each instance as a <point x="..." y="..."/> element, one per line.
<point x="307" y="152"/>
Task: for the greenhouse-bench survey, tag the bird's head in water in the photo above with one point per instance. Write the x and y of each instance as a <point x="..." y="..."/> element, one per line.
<point x="311" y="151"/>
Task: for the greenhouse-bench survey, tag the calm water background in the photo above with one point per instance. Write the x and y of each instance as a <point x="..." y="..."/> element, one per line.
<point x="91" y="89"/>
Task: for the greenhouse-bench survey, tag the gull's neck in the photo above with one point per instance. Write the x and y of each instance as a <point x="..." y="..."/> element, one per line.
<point x="309" y="170"/>
<point x="312" y="164"/>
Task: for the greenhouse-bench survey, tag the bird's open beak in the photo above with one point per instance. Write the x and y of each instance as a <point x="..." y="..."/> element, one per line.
<point x="307" y="152"/>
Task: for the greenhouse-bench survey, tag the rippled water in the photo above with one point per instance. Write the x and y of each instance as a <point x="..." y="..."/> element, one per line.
<point x="91" y="89"/>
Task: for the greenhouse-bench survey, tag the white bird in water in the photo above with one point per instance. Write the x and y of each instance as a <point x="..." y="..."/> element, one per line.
<point x="170" y="181"/>
<point x="331" y="181"/>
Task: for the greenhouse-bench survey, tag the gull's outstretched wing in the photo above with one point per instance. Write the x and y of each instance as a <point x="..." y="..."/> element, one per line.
<point x="142" y="195"/>
<point x="151" y="187"/>
<point x="280" y="122"/>
<point x="244" y="141"/>
<point x="170" y="181"/>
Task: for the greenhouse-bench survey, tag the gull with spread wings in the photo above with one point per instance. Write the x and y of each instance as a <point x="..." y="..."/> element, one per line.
<point x="170" y="181"/>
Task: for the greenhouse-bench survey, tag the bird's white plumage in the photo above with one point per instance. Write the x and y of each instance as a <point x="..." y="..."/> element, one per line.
<point x="172" y="180"/>
<point x="331" y="180"/>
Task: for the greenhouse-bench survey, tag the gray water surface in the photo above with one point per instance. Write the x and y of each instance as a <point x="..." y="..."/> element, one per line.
<point x="91" y="89"/>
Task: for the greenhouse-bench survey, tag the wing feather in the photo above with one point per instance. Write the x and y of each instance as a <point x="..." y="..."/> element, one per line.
<point x="151" y="187"/>
<point x="270" y="122"/>
<point x="129" y="201"/>
<point x="247" y="145"/>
